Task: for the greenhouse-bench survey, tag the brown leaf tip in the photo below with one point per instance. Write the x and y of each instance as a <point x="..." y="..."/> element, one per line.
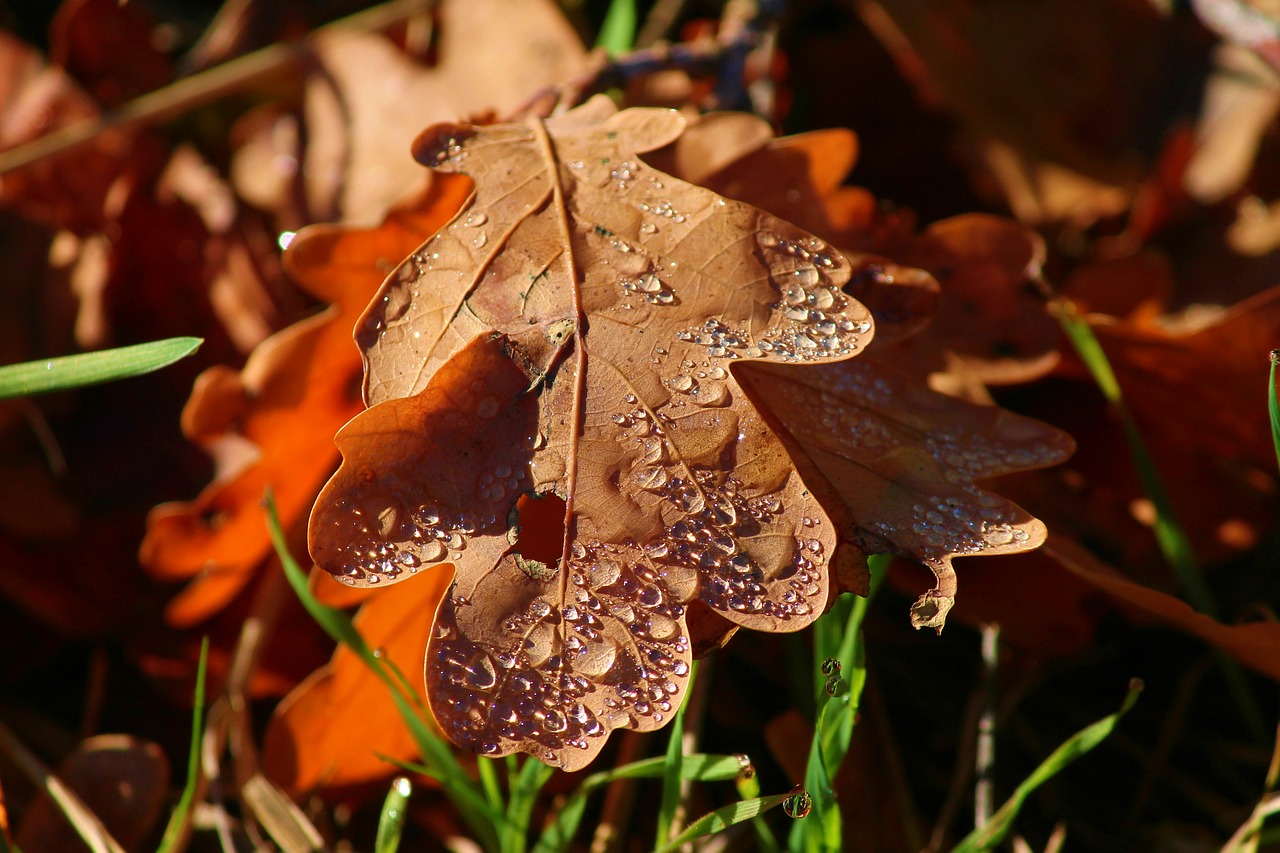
<point x="441" y="144"/>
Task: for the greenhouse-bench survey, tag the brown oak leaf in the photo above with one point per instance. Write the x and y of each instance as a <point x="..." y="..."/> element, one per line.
<point x="553" y="411"/>
<point x="901" y="459"/>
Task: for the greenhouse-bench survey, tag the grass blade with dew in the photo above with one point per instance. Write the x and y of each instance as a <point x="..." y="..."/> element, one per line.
<point x="90" y="368"/>
<point x="1273" y="407"/>
<point x="394" y="809"/>
<point x="618" y="31"/>
<point x="177" y="825"/>
<point x="696" y="767"/>
<point x="1174" y="543"/>
<point x="672" y="775"/>
<point x="1073" y="748"/>
<point x="438" y="758"/>
<point x="723" y="818"/>
<point x="838" y="687"/>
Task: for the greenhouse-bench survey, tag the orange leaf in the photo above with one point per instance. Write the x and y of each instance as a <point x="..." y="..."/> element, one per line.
<point x="1256" y="644"/>
<point x="296" y="390"/>
<point x="568" y="339"/>
<point x="305" y="748"/>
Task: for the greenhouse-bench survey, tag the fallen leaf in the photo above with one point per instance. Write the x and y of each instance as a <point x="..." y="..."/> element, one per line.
<point x="306" y="746"/>
<point x="367" y="99"/>
<point x="297" y="388"/>
<point x="1254" y="644"/>
<point x="905" y="459"/>
<point x="122" y="779"/>
<point x="554" y="413"/>
<point x="901" y="459"/>
<point x="108" y="48"/>
<point x="35" y="99"/>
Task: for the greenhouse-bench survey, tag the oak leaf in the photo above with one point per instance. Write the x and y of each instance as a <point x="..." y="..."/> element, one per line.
<point x="902" y="460"/>
<point x="553" y="410"/>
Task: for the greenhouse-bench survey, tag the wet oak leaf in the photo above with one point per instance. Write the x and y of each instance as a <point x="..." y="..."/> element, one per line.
<point x="902" y="460"/>
<point x="282" y="410"/>
<point x="561" y="355"/>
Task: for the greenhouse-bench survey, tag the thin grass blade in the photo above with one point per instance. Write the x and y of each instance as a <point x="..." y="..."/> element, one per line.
<point x="723" y="818"/>
<point x="1073" y="748"/>
<point x="90" y="368"/>
<point x="1273" y="406"/>
<point x="672" y="774"/>
<point x="176" y="827"/>
<point x="696" y="767"/>
<point x="394" y="809"/>
<point x="524" y="792"/>
<point x="838" y="686"/>
<point x="618" y="31"/>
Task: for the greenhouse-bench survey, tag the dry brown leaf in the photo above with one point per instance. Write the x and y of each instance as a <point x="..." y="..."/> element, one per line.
<point x="902" y="460"/>
<point x="367" y="99"/>
<point x="122" y="779"/>
<point x="1255" y="644"/>
<point x="553" y="412"/>
<point x="304" y="749"/>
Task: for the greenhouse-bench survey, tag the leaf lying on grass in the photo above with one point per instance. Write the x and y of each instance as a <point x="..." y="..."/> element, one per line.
<point x="553" y="412"/>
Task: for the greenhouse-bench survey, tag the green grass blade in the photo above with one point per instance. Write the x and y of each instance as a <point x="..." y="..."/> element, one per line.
<point x="178" y="819"/>
<point x="1174" y="543"/>
<point x="618" y="31"/>
<point x="436" y="753"/>
<point x="524" y="792"/>
<point x="696" y="767"/>
<point x="837" y="638"/>
<point x="1273" y="407"/>
<point x="1173" y="540"/>
<point x="723" y="818"/>
<point x="1074" y="747"/>
<point x="90" y="368"/>
<point x="487" y="770"/>
<point x="672" y="774"/>
<point x="391" y="823"/>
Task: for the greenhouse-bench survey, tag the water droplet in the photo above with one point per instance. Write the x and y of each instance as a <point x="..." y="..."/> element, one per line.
<point x="651" y="479"/>
<point x="681" y="382"/>
<point x="480" y="240"/>
<point x="487" y="408"/>
<point x="476" y="219"/>
<point x="648" y="228"/>
<point x="798" y="804"/>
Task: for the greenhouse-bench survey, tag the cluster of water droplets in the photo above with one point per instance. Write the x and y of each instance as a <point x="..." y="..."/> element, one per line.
<point x="972" y="457"/>
<point x="445" y="150"/>
<point x="969" y="522"/>
<point x="613" y="654"/>
<point x="649" y="287"/>
<point x="811" y="305"/>
<point x="384" y="539"/>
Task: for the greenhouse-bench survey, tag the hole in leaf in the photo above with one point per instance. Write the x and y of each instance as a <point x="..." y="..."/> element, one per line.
<point x="539" y="525"/>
